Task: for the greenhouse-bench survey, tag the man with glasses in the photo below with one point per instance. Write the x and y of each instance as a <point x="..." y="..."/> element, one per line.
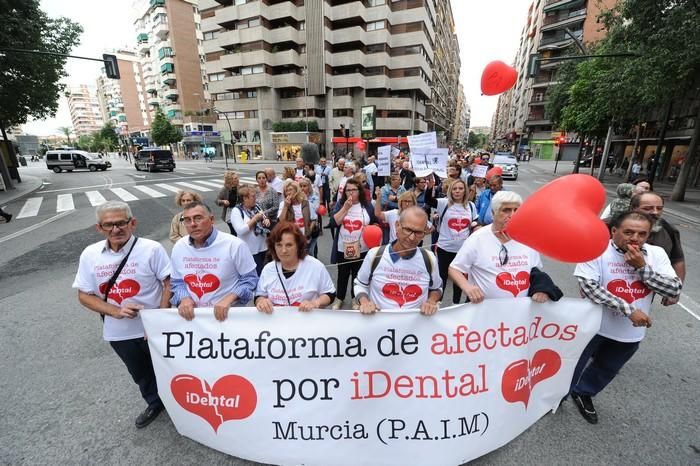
<point x="210" y="269"/>
<point x="117" y="278"/>
<point x="401" y="275"/>
<point x="497" y="266"/>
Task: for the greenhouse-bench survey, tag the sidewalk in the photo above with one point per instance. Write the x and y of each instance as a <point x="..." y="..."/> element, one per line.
<point x="28" y="185"/>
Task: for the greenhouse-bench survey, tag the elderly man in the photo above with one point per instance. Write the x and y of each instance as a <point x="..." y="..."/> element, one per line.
<point x="117" y="278"/>
<point x="370" y="171"/>
<point x="483" y="202"/>
<point x="663" y="234"/>
<point x="498" y="266"/>
<point x="401" y="275"/>
<point x="210" y="269"/>
<point x="322" y="182"/>
<point x="273" y="180"/>
<point x="623" y="279"/>
<point x="299" y="171"/>
<point x="337" y="174"/>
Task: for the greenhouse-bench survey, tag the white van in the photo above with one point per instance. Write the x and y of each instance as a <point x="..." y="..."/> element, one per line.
<point x="71" y="159"/>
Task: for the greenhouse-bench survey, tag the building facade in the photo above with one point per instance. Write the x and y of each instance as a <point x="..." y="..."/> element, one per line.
<point x="84" y="110"/>
<point x="271" y="63"/>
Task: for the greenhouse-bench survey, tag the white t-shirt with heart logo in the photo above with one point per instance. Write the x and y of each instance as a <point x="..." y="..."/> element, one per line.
<point x="211" y="272"/>
<point x="298" y="215"/>
<point x="140" y="281"/>
<point x="620" y="279"/>
<point x="351" y="227"/>
<point x="454" y="227"/>
<point x="309" y="281"/>
<point x="480" y="258"/>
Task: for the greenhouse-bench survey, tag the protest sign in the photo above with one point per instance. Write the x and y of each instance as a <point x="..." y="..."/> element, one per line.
<point x="329" y="387"/>
<point x="419" y="141"/>
<point x="384" y="160"/>
<point x="480" y="171"/>
<point x="426" y="161"/>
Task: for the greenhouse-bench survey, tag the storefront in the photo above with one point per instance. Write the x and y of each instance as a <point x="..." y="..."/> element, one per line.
<point x="287" y="146"/>
<point x="342" y="145"/>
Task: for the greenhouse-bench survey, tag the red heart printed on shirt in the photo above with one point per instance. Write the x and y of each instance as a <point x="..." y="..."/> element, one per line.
<point x="232" y="397"/>
<point x="630" y="292"/>
<point x="400" y="295"/>
<point x="521" y="376"/>
<point x="202" y="285"/>
<point x="121" y="290"/>
<point x="352" y="225"/>
<point x="515" y="285"/>
<point x="458" y="224"/>
<point x="300" y="222"/>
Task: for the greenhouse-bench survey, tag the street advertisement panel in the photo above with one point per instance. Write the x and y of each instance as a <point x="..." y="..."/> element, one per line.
<point x="426" y="160"/>
<point x="340" y="388"/>
<point x="368" y="122"/>
<point x="384" y="160"/>
<point x="419" y="141"/>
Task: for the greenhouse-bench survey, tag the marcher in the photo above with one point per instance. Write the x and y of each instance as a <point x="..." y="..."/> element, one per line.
<point x="266" y="197"/>
<point x="5" y="215"/>
<point x="293" y="278"/>
<point x="337" y="174"/>
<point x="323" y="175"/>
<point x="390" y="193"/>
<point x="624" y="280"/>
<point x="401" y="275"/>
<point x="228" y="198"/>
<point x="177" y="227"/>
<point x="252" y="225"/>
<point x="314" y="203"/>
<point x="483" y="201"/>
<point x="273" y="180"/>
<point x="117" y="291"/>
<point x="391" y="217"/>
<point x="295" y="208"/>
<point x="299" y="170"/>
<point x="200" y="281"/>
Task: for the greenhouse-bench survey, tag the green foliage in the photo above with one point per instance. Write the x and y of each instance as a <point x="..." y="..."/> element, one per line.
<point x="29" y="83"/>
<point x="108" y="136"/>
<point x="296" y="126"/>
<point x="162" y="131"/>
<point x="67" y="131"/>
<point x="478" y="141"/>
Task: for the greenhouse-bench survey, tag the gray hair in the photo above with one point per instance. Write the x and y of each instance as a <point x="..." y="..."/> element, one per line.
<point x="504" y="197"/>
<point x="112" y="206"/>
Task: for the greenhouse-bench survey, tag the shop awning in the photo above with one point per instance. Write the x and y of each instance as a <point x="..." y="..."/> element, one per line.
<point x="390" y="140"/>
<point x="339" y="140"/>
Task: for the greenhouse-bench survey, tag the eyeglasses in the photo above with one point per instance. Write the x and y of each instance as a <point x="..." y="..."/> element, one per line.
<point x="351" y="190"/>
<point x="110" y="225"/>
<point x="195" y="219"/>
<point x="503" y="255"/>
<point x="411" y="232"/>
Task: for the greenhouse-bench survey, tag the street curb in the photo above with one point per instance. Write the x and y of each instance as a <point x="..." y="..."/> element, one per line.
<point x="10" y="196"/>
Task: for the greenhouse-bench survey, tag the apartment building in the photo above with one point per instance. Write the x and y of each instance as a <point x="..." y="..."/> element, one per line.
<point x="272" y="61"/>
<point x="84" y="109"/>
<point x="462" y="116"/>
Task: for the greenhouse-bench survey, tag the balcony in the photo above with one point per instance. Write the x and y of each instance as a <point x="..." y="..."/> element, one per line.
<point x="153" y="100"/>
<point x="166" y="60"/>
<point x="172" y="94"/>
<point x="143" y="37"/>
<point x="563" y="20"/>
<point x="161" y="30"/>
<point x="249" y="81"/>
<point x="157" y="3"/>
<point x="559" y="39"/>
<point x="169" y="79"/>
<point x="167" y="68"/>
<point x="560" y="4"/>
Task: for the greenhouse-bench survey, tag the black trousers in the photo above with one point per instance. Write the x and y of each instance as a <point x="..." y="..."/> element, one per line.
<point x="260" y="261"/>
<point x="347" y="270"/>
<point x="445" y="258"/>
<point x="137" y="359"/>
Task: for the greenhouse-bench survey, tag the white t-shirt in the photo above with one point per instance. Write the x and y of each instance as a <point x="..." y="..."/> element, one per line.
<point x="480" y="258"/>
<point x="620" y="279"/>
<point x="298" y="216"/>
<point x="402" y="284"/>
<point x="351" y="227"/>
<point x="277" y="184"/>
<point x="309" y="281"/>
<point x="139" y="282"/>
<point x="239" y="220"/>
<point x="211" y="272"/>
<point x="341" y="186"/>
<point x="455" y="224"/>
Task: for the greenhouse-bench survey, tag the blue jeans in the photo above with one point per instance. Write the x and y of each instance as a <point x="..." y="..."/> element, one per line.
<point x="135" y="355"/>
<point x="606" y="359"/>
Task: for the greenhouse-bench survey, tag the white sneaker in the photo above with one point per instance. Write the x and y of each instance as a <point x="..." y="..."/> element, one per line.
<point x="337" y="304"/>
<point x="355" y="305"/>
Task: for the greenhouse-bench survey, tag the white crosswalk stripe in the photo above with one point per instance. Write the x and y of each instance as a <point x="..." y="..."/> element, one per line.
<point x="95" y="198"/>
<point x="167" y="187"/>
<point x="31" y="207"/>
<point x="186" y="173"/>
<point x="211" y="183"/>
<point x="193" y="186"/>
<point x="64" y="202"/>
<point x="149" y="191"/>
<point x="124" y="195"/>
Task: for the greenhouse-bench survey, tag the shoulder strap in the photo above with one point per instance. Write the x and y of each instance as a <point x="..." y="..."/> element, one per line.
<point x="116" y="273"/>
<point x="442" y="215"/>
<point x="375" y="261"/>
<point x="428" y="266"/>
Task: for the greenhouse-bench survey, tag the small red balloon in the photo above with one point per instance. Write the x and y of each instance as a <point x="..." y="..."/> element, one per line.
<point x="560" y="220"/>
<point x="322" y="210"/>
<point x="497" y="78"/>
<point x="372" y="236"/>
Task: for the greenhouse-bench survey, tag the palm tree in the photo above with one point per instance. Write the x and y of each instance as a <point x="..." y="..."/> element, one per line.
<point x="66" y="130"/>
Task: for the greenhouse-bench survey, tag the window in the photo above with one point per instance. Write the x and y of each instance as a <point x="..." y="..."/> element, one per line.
<point x="374" y="25"/>
<point x="342" y="112"/>
<point x="217" y="77"/>
<point x="377" y="2"/>
<point x="342" y="91"/>
<point x="210" y="35"/>
<point x="375" y="48"/>
<point x="256" y="69"/>
<point x="302" y="25"/>
<point x="254" y="22"/>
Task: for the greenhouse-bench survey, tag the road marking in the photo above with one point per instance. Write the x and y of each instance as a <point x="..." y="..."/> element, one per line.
<point x="111" y="183"/>
<point x="211" y="183"/>
<point x="95" y="198"/>
<point x="688" y="310"/>
<point x="186" y="173"/>
<point x="193" y="186"/>
<point x="64" y="202"/>
<point x="689" y="300"/>
<point x="35" y="227"/>
<point x="124" y="195"/>
<point x="167" y="187"/>
<point x="31" y="207"/>
<point x="149" y="191"/>
<point x="139" y="176"/>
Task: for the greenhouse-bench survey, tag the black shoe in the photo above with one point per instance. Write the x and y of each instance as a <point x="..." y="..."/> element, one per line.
<point x="149" y="415"/>
<point x="584" y="403"/>
<point x="8" y="217"/>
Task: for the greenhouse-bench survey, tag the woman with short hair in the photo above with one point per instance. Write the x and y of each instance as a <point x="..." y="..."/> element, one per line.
<point x="252" y="225"/>
<point x="177" y="226"/>
<point x="228" y="197"/>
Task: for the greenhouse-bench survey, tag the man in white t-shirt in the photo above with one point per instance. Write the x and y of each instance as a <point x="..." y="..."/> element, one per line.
<point x="210" y="268"/>
<point x="370" y="171"/>
<point x="623" y="279"/>
<point x="496" y="265"/>
<point x="403" y="276"/>
<point x="274" y="180"/>
<point x="142" y="281"/>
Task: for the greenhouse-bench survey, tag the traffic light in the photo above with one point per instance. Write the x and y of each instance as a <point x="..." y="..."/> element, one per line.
<point x="111" y="66"/>
<point x="560" y="140"/>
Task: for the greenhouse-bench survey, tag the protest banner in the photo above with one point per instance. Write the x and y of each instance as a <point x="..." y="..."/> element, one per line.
<point x="384" y="160"/>
<point x="430" y="160"/>
<point x="338" y="387"/>
<point x="418" y="141"/>
<point x="480" y="171"/>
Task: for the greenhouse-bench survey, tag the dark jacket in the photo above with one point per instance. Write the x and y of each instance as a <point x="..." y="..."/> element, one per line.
<point x="540" y="282"/>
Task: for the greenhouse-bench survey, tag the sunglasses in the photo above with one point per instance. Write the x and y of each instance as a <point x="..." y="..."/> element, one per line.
<point x="503" y="255"/>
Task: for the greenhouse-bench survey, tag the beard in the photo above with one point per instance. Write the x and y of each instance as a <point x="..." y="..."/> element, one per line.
<point x="657" y="226"/>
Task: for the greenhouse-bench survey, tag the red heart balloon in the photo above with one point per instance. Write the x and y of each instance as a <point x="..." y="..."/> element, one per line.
<point x="498" y="77"/>
<point x="322" y="210"/>
<point x="560" y="220"/>
<point x="372" y="236"/>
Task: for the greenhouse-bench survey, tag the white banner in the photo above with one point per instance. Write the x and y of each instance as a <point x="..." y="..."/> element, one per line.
<point x="426" y="161"/>
<point x="418" y="141"/>
<point x="384" y="160"/>
<point x="339" y="387"/>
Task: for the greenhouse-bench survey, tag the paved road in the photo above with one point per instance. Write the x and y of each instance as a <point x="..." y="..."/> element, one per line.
<point x="67" y="399"/>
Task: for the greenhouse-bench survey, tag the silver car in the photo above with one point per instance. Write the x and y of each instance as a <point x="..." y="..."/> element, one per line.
<point x="509" y="164"/>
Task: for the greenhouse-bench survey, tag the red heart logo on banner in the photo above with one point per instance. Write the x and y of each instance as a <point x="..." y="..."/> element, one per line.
<point x="498" y="77"/>
<point x="458" y="224"/>
<point x="232" y="397"/>
<point x="506" y="281"/>
<point x="630" y="292"/>
<point x="352" y="225"/>
<point x="202" y="285"/>
<point x="571" y="232"/>
<point x="121" y="290"/>
<point x="521" y="376"/>
<point x="400" y="295"/>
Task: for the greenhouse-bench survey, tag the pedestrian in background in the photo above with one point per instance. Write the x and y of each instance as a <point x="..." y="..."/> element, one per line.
<point x="228" y="198"/>
<point x="177" y="227"/>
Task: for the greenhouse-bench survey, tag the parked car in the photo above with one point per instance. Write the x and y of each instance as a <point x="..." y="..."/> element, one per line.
<point x="508" y="163"/>
<point x="71" y="159"/>
<point x="586" y="161"/>
<point x="154" y="160"/>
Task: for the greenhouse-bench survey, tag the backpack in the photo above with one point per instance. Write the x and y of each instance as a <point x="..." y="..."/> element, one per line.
<point x="426" y="260"/>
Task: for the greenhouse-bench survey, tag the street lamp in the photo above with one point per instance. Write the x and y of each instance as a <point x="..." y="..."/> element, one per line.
<point x="230" y="132"/>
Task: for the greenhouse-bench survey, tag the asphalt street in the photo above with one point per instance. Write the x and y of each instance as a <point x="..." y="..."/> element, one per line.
<point x="67" y="398"/>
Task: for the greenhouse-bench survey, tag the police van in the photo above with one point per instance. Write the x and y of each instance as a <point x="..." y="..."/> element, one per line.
<point x="72" y="159"/>
<point x="151" y="160"/>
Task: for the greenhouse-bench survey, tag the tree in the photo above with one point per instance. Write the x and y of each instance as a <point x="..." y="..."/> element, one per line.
<point x="295" y="126"/>
<point x="67" y="131"/>
<point x="108" y="136"/>
<point x="162" y="131"/>
<point x="477" y="140"/>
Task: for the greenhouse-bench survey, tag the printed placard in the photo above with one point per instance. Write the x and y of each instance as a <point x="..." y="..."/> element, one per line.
<point x="480" y="171"/>
<point x="384" y="160"/>
<point x="418" y="141"/>
<point x="426" y="161"/>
